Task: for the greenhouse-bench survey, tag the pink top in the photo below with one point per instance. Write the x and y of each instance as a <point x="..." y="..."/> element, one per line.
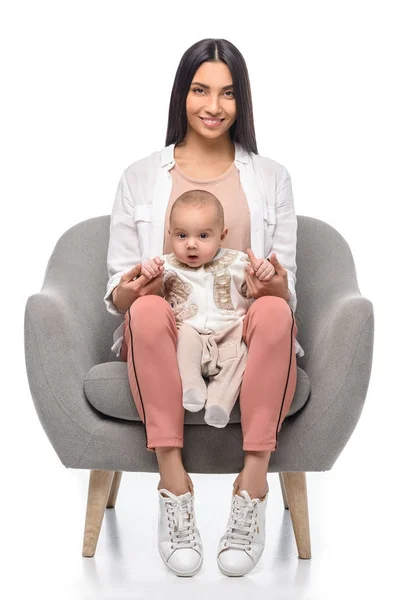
<point x="227" y="189"/>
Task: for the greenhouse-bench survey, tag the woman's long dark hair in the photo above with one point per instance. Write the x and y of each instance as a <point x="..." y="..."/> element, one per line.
<point x="212" y="50"/>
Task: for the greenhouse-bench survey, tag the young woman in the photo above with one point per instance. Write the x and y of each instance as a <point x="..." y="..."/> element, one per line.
<point x="211" y="145"/>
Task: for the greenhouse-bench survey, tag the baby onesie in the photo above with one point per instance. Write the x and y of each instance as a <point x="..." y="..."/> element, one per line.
<point x="209" y="303"/>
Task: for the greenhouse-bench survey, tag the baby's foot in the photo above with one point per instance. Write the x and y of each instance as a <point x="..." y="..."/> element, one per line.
<point x="216" y="416"/>
<point x="194" y="399"/>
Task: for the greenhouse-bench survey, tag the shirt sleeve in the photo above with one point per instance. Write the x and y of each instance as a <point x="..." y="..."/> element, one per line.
<point x="123" y="247"/>
<point x="284" y="238"/>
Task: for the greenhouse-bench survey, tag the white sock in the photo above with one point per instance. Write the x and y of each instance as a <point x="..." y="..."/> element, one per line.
<point x="216" y="416"/>
<point x="194" y="399"/>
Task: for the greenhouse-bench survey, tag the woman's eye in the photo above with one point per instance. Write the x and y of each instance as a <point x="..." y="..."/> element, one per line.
<point x="201" y="90"/>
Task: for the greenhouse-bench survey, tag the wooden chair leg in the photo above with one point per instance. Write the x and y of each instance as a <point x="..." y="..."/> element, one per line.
<point x="295" y="485"/>
<point x="114" y="489"/>
<point x="100" y="483"/>
<point x="285" y="502"/>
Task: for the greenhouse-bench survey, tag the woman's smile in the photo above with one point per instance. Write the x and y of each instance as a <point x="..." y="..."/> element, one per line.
<point x="211" y="122"/>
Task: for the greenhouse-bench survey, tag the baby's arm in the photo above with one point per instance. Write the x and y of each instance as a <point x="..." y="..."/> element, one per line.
<point x="238" y="269"/>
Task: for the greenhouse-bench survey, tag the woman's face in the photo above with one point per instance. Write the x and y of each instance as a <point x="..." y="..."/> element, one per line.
<point x="208" y="98"/>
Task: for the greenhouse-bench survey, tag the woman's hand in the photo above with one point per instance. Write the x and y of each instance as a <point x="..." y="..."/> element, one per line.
<point x="275" y="286"/>
<point x="132" y="285"/>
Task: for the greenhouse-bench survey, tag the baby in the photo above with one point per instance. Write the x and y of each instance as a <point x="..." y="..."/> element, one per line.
<point x="206" y="288"/>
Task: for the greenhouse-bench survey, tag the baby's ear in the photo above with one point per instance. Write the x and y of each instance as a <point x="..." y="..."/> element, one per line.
<point x="224" y="234"/>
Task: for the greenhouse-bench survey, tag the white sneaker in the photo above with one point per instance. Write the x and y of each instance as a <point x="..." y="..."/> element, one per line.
<point x="241" y="546"/>
<point x="178" y="538"/>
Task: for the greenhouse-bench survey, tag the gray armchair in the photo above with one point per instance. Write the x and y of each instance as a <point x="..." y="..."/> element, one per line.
<point x="82" y="396"/>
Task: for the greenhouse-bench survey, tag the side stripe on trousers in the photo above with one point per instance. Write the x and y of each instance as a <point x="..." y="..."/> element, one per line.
<point x="137" y="383"/>
<point x="287" y="379"/>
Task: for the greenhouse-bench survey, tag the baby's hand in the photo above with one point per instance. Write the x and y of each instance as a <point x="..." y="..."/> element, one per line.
<point x="263" y="269"/>
<point x="153" y="267"/>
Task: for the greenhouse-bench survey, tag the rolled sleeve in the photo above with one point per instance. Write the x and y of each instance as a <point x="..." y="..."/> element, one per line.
<point x="123" y="247"/>
<point x="284" y="239"/>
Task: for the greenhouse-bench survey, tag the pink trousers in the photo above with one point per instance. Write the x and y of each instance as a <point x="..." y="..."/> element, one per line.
<point x="268" y="385"/>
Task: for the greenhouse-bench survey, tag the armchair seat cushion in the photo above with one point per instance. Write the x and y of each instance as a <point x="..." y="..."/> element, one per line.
<point x="107" y="389"/>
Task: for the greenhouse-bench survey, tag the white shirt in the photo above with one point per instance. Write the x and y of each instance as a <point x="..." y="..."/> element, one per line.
<point x="212" y="297"/>
<point x="138" y="215"/>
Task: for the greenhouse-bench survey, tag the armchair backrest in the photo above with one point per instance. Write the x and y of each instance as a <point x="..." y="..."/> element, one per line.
<point x="77" y="271"/>
<point x="326" y="274"/>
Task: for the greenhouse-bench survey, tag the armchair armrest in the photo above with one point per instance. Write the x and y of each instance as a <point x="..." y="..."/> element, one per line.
<point x="59" y="351"/>
<point x="338" y="364"/>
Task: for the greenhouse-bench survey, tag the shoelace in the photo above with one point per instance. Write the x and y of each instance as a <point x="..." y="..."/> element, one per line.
<point x="242" y="522"/>
<point x="181" y="510"/>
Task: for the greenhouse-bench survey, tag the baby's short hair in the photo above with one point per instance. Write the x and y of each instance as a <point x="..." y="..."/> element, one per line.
<point x="199" y="198"/>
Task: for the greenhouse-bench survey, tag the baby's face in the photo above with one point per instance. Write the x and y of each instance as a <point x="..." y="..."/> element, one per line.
<point x="195" y="235"/>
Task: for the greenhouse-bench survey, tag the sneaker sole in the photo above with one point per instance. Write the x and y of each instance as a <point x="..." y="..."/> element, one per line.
<point x="180" y="573"/>
<point x="229" y="574"/>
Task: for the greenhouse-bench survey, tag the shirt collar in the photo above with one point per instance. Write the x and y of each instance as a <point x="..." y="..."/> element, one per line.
<point x="167" y="154"/>
<point x="219" y="254"/>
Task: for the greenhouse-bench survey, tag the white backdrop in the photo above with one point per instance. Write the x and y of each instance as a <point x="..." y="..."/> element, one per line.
<point x="85" y="92"/>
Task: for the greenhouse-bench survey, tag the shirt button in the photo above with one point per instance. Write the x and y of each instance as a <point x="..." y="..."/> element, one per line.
<point x="206" y="356"/>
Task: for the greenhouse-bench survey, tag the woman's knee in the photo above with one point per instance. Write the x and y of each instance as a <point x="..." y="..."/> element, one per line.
<point x="148" y="310"/>
<point x="150" y="301"/>
<point x="273" y="312"/>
